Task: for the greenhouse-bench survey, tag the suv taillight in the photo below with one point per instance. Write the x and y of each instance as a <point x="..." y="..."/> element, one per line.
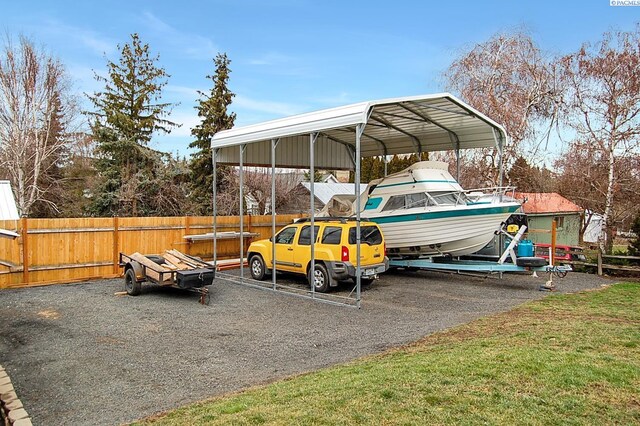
<point x="345" y="254"/>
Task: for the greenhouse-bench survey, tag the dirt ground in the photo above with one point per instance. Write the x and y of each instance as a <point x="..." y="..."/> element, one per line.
<point x="80" y="355"/>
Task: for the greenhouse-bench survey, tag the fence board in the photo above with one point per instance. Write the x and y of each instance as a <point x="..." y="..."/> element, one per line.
<point x="74" y="249"/>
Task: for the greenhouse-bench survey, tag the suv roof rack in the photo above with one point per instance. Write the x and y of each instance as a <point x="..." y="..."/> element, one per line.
<point x="325" y="219"/>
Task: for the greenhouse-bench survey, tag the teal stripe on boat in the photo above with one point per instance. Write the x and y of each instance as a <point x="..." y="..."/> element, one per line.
<point x="444" y="214"/>
<point x="418" y="181"/>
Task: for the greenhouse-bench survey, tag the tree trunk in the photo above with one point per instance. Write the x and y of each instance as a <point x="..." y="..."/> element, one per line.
<point x="606" y="236"/>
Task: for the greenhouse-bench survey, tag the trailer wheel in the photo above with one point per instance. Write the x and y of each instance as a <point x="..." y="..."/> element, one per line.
<point x="257" y="267"/>
<point x="131" y="284"/>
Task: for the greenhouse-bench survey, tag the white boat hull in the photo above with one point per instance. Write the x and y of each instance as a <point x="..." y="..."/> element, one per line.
<point x="458" y="235"/>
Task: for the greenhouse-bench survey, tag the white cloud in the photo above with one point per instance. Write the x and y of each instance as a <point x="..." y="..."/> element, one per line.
<point x="192" y="45"/>
<point x="187" y="118"/>
<point x="189" y="93"/>
<point x="98" y="44"/>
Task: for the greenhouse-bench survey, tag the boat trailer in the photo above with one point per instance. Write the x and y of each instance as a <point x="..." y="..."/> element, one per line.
<point x="508" y="262"/>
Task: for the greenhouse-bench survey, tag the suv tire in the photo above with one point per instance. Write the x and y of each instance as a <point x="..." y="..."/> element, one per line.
<point x="321" y="279"/>
<point x="257" y="267"/>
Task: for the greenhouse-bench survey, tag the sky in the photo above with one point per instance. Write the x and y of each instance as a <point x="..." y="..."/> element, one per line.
<point x="295" y="56"/>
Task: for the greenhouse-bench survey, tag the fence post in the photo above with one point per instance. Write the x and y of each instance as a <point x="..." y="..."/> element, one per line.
<point x="24" y="230"/>
<point x="553" y="241"/>
<point x="187" y="231"/>
<point x="116" y="245"/>
<point x="599" y="262"/>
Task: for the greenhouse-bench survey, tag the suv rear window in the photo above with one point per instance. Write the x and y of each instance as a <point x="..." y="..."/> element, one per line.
<point x="369" y="235"/>
<point x="332" y="235"/>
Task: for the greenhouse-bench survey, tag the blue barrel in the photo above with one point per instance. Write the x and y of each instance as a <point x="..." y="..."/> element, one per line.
<point x="525" y="248"/>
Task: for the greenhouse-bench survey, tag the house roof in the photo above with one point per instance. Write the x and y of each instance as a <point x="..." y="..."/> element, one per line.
<point x="8" y="209"/>
<point x="403" y="125"/>
<point x="324" y="191"/>
<point x="546" y="202"/>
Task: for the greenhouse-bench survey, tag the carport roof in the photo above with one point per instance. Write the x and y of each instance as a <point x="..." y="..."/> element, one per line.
<point x="393" y="126"/>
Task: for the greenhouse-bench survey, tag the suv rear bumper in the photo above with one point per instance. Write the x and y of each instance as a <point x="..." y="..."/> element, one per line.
<point x="341" y="271"/>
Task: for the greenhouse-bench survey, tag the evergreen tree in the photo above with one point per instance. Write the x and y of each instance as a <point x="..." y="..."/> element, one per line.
<point x="127" y="113"/>
<point x="212" y="110"/>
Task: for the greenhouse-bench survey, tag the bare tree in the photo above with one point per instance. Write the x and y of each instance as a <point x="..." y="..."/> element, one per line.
<point x="36" y="110"/>
<point x="508" y="78"/>
<point x="603" y="106"/>
<point x="258" y="186"/>
<point x="582" y="178"/>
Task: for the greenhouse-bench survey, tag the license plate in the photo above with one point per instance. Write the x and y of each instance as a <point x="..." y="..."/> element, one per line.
<point x="368" y="272"/>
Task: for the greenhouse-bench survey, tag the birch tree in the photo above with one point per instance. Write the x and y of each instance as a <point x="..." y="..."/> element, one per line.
<point x="603" y="106"/>
<point x="36" y="111"/>
<point x="512" y="81"/>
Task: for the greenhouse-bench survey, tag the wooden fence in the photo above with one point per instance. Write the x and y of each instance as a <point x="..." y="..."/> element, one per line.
<point x="53" y="251"/>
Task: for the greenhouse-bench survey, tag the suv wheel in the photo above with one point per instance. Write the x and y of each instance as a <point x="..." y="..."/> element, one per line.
<point x="321" y="278"/>
<point x="258" y="269"/>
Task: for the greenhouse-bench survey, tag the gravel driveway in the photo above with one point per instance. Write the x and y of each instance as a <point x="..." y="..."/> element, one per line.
<point x="78" y="354"/>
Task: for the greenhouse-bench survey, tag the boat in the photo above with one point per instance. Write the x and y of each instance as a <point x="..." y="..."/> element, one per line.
<point x="423" y="211"/>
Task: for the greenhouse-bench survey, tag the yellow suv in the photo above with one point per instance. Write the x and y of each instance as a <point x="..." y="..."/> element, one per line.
<point x="335" y="252"/>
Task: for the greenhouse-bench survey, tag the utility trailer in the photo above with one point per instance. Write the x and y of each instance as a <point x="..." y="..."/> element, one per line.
<point x="190" y="273"/>
<point x="508" y="262"/>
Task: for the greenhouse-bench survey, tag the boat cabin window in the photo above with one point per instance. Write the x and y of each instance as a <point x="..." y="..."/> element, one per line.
<point x="416" y="200"/>
<point x="447" y="197"/>
<point x="395" y="202"/>
<point x="407" y="201"/>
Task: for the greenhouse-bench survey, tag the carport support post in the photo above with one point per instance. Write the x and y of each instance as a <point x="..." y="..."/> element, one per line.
<point x="312" y="241"/>
<point x="214" y="158"/>
<point x="274" y="145"/>
<point x="497" y="136"/>
<point x="458" y="161"/>
<point x="241" y="185"/>
<point x="359" y="131"/>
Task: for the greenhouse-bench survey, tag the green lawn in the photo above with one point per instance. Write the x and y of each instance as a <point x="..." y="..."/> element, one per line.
<point x="567" y="359"/>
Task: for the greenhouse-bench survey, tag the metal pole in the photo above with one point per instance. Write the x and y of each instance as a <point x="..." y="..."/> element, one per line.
<point x="214" y="159"/>
<point x="312" y="172"/>
<point x="497" y="136"/>
<point x="458" y="162"/>
<point x="241" y="184"/>
<point x="499" y="144"/>
<point x="386" y="161"/>
<point x="274" y="144"/>
<point x="359" y="130"/>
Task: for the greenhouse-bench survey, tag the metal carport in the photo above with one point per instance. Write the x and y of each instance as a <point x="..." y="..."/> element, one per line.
<point x="338" y="138"/>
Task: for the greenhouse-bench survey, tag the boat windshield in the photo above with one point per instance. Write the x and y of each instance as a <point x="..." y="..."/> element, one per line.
<point x="407" y="201"/>
<point x="449" y="198"/>
<point x="422" y="199"/>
